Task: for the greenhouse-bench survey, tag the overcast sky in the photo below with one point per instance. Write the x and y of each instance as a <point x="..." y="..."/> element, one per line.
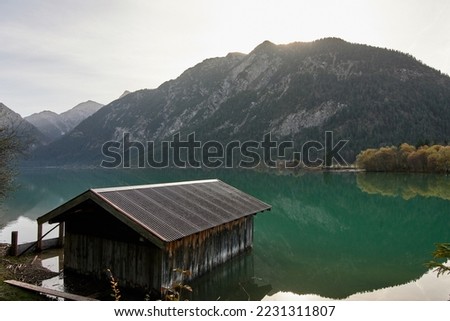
<point x="56" y="54"/>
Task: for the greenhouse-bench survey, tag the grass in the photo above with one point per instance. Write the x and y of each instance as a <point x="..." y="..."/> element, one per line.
<point x="9" y="292"/>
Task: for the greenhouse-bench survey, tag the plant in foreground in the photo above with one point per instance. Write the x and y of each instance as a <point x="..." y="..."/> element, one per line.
<point x="175" y="291"/>
<point x="442" y="251"/>
<point x="114" y="286"/>
<point x="172" y="293"/>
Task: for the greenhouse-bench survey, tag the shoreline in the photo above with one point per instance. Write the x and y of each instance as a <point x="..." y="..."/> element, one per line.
<point x="27" y="268"/>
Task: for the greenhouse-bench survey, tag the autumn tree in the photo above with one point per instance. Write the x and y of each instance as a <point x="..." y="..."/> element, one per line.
<point x="365" y="159"/>
<point x="417" y="161"/>
<point x="404" y="151"/>
<point x="406" y="158"/>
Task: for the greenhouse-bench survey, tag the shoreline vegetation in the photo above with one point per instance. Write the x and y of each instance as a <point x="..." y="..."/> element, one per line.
<point x="406" y="158"/>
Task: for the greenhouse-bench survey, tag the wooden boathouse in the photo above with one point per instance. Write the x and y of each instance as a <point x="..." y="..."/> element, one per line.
<point x="142" y="233"/>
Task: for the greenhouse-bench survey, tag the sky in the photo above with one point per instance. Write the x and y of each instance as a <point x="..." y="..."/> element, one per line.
<point x="55" y="54"/>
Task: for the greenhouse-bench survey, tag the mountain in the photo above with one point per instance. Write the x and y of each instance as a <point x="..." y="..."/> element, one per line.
<point x="126" y="92"/>
<point x="370" y="96"/>
<point x="12" y="123"/>
<point x="49" y="123"/>
<point x="55" y="125"/>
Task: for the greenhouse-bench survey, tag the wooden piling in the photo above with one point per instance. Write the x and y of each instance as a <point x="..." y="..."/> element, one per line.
<point x="39" y="238"/>
<point x="61" y="234"/>
<point x="14" y="243"/>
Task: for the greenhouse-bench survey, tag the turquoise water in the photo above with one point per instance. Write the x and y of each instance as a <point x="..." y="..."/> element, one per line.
<point x="328" y="236"/>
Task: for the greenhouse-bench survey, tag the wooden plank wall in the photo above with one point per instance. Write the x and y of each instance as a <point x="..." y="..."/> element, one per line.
<point x="201" y="252"/>
<point x="144" y="265"/>
<point x="224" y="279"/>
<point x="134" y="265"/>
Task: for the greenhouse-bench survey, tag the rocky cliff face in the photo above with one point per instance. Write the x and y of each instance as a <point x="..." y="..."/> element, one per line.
<point x="370" y="96"/>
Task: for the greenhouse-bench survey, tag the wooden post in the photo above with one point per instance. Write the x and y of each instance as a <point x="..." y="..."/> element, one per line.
<point x="61" y="234"/>
<point x="14" y="243"/>
<point x="39" y="238"/>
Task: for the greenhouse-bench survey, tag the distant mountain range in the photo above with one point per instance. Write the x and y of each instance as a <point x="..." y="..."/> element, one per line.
<point x="367" y="95"/>
<point x="54" y="125"/>
<point x="28" y="134"/>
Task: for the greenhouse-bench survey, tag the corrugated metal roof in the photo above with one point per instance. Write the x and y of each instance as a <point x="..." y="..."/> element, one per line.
<point x="175" y="210"/>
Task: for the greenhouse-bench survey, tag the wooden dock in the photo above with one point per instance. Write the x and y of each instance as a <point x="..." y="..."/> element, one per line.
<point x="40" y="289"/>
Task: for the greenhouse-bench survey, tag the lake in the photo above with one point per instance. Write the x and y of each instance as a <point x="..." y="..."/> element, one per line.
<point x="329" y="235"/>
